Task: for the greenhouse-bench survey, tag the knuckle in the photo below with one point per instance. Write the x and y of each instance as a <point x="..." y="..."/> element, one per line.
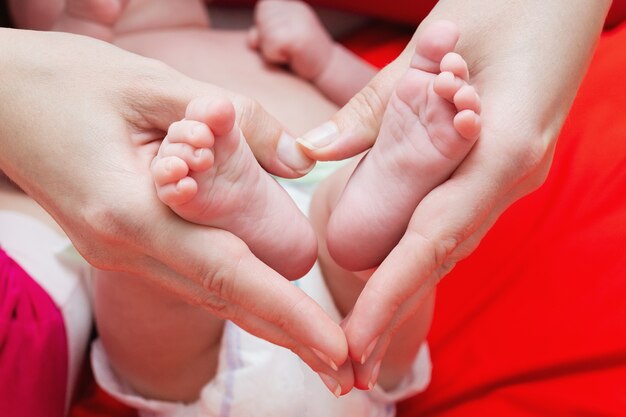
<point x="368" y="107"/>
<point x="105" y="222"/>
<point x="533" y="155"/>
<point x="440" y="248"/>
<point x="246" y="108"/>
<point x="216" y="305"/>
<point x="102" y="227"/>
<point x="222" y="280"/>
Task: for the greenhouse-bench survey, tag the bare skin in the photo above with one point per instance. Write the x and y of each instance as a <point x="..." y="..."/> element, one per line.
<point x="206" y="172"/>
<point x="290" y="33"/>
<point x="429" y="127"/>
<point x="189" y="366"/>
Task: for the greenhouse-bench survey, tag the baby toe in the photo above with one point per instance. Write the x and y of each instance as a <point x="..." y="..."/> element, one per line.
<point x="454" y="63"/>
<point x="197" y="159"/>
<point x="191" y="132"/>
<point x="468" y="124"/>
<point x="446" y="85"/>
<point x="180" y="192"/>
<point x="167" y="170"/>
<point x="467" y="99"/>
<point x="218" y="114"/>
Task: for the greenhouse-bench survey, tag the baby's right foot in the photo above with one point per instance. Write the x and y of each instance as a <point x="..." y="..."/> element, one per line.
<point x="430" y="124"/>
<point x="289" y="32"/>
<point x="207" y="174"/>
<point x="93" y="18"/>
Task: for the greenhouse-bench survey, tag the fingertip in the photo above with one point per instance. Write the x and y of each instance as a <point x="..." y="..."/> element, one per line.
<point x="328" y="143"/>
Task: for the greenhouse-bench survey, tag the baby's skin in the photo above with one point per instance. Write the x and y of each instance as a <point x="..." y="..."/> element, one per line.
<point x="290" y="33"/>
<point x="430" y="124"/>
<point x="206" y="172"/>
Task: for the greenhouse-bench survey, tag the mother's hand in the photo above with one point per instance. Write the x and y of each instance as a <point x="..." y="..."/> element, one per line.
<point x="526" y="59"/>
<point x="81" y="121"/>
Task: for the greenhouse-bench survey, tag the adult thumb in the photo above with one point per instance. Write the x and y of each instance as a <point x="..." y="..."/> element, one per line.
<point x="273" y="146"/>
<point x="354" y="128"/>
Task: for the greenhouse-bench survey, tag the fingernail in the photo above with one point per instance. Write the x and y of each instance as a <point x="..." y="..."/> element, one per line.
<point x="331" y="383"/>
<point x="198" y="153"/>
<point x="290" y="155"/>
<point x="320" y="136"/>
<point x="374" y="377"/>
<point x="368" y="351"/>
<point x="325" y="359"/>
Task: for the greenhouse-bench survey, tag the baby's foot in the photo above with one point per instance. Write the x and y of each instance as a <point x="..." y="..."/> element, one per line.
<point x="207" y="174"/>
<point x="289" y="32"/>
<point x="94" y="18"/>
<point x="430" y="124"/>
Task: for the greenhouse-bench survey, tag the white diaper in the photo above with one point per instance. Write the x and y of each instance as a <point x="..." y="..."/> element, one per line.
<point x="257" y="378"/>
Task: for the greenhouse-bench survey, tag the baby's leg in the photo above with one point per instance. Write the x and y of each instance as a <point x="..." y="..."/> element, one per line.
<point x="162" y="347"/>
<point x="206" y="172"/>
<point x="345" y="288"/>
<point x="430" y="125"/>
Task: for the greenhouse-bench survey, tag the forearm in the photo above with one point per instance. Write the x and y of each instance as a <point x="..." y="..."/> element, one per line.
<point x="344" y="75"/>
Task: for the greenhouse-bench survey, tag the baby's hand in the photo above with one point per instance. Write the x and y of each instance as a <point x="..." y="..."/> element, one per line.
<point x="289" y="32"/>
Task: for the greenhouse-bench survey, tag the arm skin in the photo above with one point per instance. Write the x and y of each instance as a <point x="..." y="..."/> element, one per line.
<point x="81" y="122"/>
<point x="527" y="60"/>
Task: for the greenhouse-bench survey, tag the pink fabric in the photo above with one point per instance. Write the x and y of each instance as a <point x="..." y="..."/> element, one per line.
<point x="33" y="347"/>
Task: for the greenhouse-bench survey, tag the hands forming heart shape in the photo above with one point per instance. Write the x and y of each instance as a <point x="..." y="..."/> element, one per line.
<point x="418" y="202"/>
<point x="371" y="205"/>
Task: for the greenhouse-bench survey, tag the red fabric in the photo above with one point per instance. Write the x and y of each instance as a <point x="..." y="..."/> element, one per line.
<point x="533" y="323"/>
<point x="94" y="402"/>
<point x="33" y="347"/>
<point x="409" y="12"/>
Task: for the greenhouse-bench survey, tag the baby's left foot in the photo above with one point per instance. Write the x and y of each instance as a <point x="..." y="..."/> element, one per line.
<point x="430" y="124"/>
<point x="206" y="173"/>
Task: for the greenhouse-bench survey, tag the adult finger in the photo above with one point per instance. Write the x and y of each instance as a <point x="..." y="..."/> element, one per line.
<point x="446" y="226"/>
<point x="354" y="128"/>
<point x="232" y="283"/>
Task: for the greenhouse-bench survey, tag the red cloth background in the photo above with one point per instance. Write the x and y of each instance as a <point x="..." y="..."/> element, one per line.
<point x="33" y="347"/>
<point x="534" y="322"/>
